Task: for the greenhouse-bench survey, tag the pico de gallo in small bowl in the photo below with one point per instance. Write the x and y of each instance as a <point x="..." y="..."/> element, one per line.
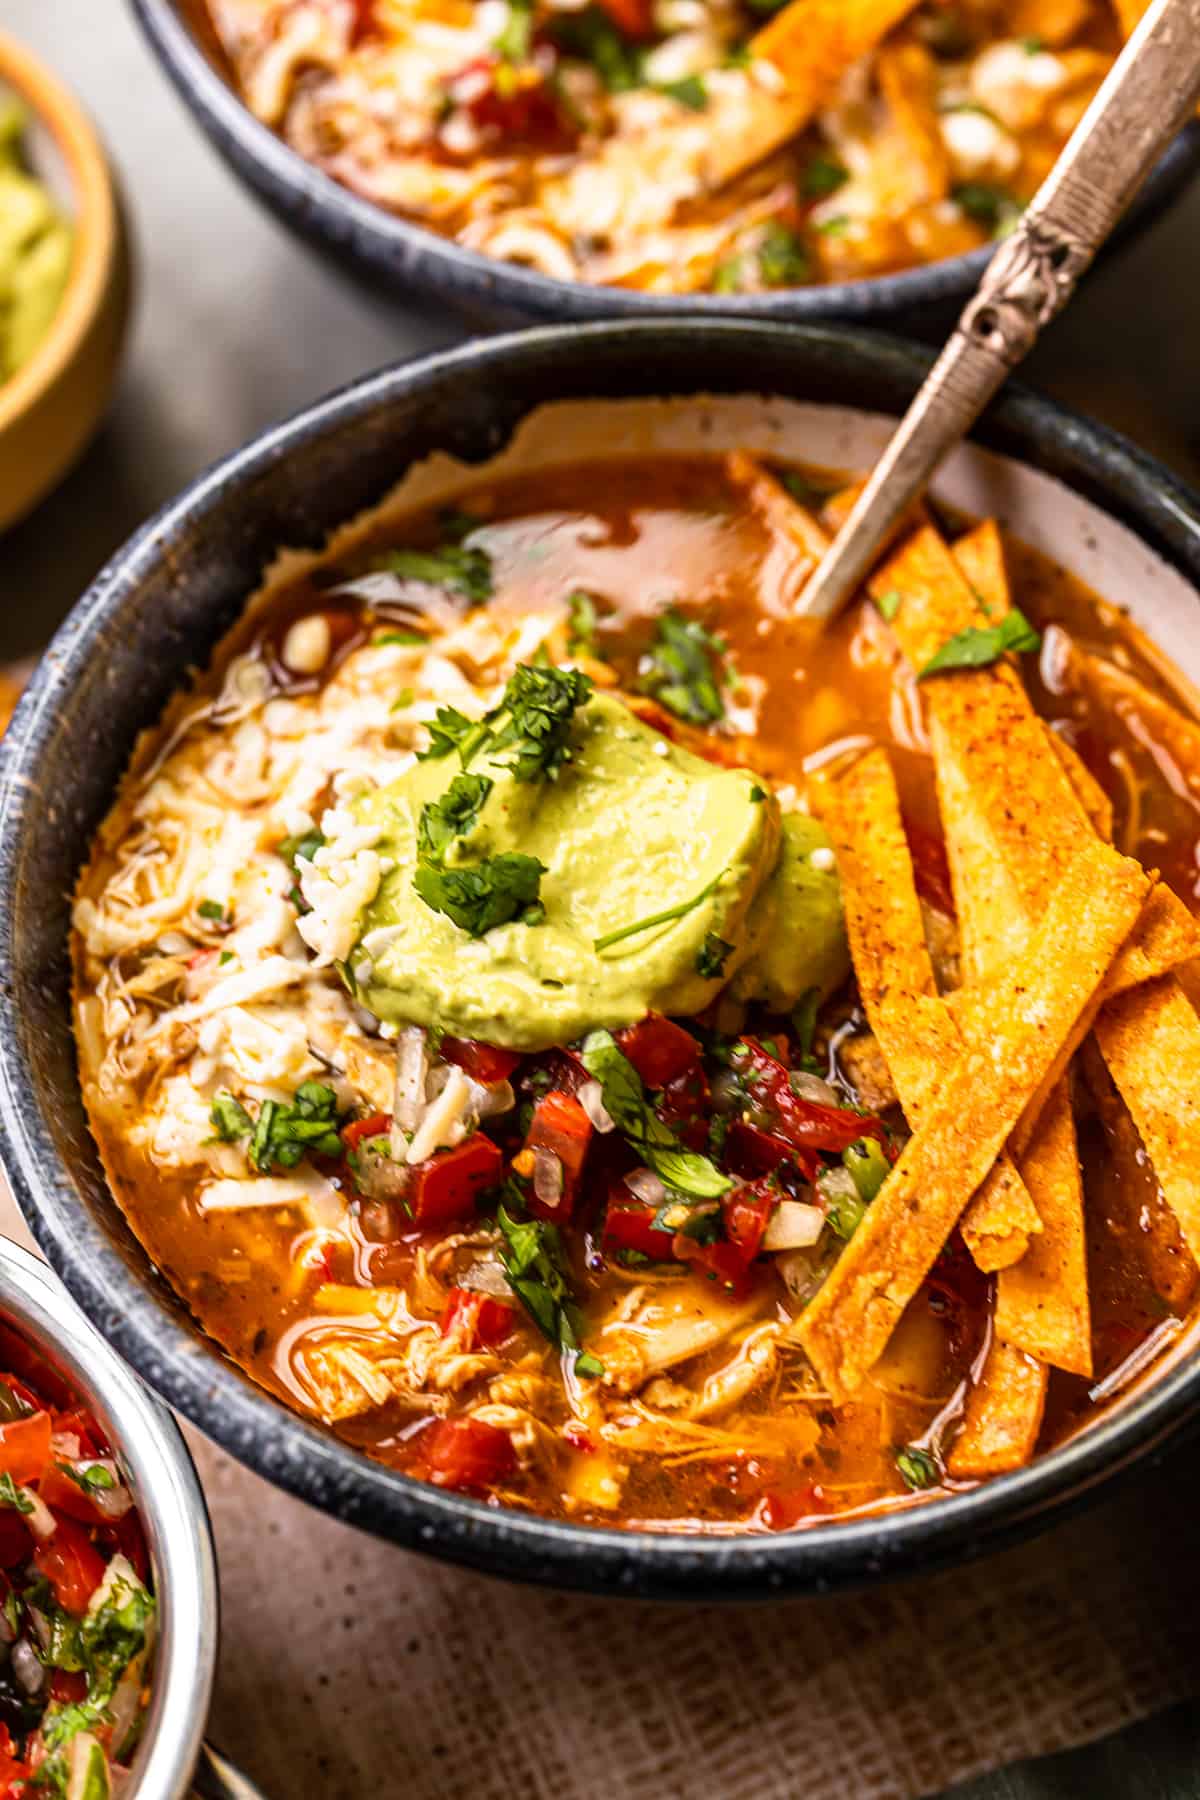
<point x="107" y="1579"/>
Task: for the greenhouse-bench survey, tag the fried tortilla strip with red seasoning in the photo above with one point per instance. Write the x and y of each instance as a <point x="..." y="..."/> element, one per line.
<point x="1035" y="1004"/>
<point x="1003" y="1417"/>
<point x="912" y="1023"/>
<point x="789" y="523"/>
<point x="982" y="722"/>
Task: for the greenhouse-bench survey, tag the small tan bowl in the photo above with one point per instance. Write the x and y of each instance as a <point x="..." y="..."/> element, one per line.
<point x="51" y="407"/>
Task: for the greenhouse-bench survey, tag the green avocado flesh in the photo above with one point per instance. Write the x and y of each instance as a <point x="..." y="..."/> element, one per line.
<point x="35" y="249"/>
<point x="631" y="827"/>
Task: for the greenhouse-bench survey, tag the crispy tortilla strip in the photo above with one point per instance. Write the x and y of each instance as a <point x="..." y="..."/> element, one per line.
<point x="982" y="719"/>
<point x="1051" y="22"/>
<point x="789" y="523"/>
<point x="914" y="1026"/>
<point x="1146" y="715"/>
<point x="919" y="170"/>
<point x="1090" y="795"/>
<point x="1042" y="1303"/>
<point x="1034" y="1006"/>
<point x="1003" y="1417"/>
<point x="1150" y="1040"/>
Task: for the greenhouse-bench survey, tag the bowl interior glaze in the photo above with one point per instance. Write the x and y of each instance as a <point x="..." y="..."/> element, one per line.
<point x="160" y="606"/>
<point x="415" y="263"/>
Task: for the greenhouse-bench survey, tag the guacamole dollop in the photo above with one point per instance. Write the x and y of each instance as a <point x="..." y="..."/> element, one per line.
<point x="35" y="249"/>
<point x="632" y="827"/>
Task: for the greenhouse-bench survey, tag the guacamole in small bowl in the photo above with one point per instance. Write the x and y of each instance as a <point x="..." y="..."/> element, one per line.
<point x="35" y="246"/>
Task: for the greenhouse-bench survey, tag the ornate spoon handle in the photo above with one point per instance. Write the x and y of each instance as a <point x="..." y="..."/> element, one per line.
<point x="1144" y="100"/>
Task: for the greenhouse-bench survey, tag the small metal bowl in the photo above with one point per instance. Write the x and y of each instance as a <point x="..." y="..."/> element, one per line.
<point x="148" y="1445"/>
<point x="417" y="265"/>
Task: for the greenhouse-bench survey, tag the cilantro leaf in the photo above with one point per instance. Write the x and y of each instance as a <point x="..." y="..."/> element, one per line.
<point x="212" y="909"/>
<point x="92" y="1479"/>
<point x="454" y="567"/>
<point x="537" y="710"/>
<point x="824" y="176"/>
<point x="12" y="1496"/>
<point x="712" y="956"/>
<point x="230" y="1118"/>
<point x="624" y="1099"/>
<point x="889" y="604"/>
<point x="282" y="1135"/>
<point x="780" y="259"/>
<point x="449" y="731"/>
<point x="592" y="36"/>
<point x="583" y="618"/>
<point x="492" y="892"/>
<point x="689" y="91"/>
<point x="453" y="816"/>
<point x="660" y="918"/>
<point x="994" y="208"/>
<point x="678" y="670"/>
<point x="980" y="645"/>
<point x="535" y="1268"/>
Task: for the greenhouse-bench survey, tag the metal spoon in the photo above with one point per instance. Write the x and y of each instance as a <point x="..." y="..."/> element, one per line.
<point x="1144" y="100"/>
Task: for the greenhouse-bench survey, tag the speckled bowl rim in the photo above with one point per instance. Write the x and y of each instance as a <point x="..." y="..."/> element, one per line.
<point x="303" y="1458"/>
<point x="415" y="261"/>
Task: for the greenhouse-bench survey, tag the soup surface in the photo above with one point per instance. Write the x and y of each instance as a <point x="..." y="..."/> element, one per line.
<point x="554" y="1020"/>
<point x="681" y="146"/>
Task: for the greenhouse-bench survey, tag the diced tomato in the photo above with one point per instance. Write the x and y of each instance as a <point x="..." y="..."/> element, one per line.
<point x="478" y="1319"/>
<point x="659" y="1049"/>
<point x="445" y="1188"/>
<point x="374" y="1125"/>
<point x="560" y="1125"/>
<point x="745" y="1212"/>
<point x="16" y="1540"/>
<point x="633" y="1228"/>
<point x="519" y="105"/>
<point x="14" y="1772"/>
<point x="129" y="1537"/>
<point x="783" y="1508"/>
<point x="575" y="1435"/>
<point x="62" y="1494"/>
<point x="752" y="1151"/>
<point x="686" y="1105"/>
<point x="68" y="1686"/>
<point x="71" y="1564"/>
<point x="362" y="20"/>
<point x="804" y="1123"/>
<point x="482" y="1062"/>
<point x="931" y="870"/>
<point x="635" y="18"/>
<point x="25" y="1447"/>
<point x="465" y="1454"/>
<point x="82" y="1426"/>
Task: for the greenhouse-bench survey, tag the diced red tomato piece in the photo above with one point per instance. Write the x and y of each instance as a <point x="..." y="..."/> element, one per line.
<point x="71" y="1564"/>
<point x="465" y="1454"/>
<point x="659" y="1049"/>
<point x="752" y="1151"/>
<point x="519" y="105"/>
<point x="804" y="1123"/>
<point x="783" y="1508"/>
<point x="68" y="1686"/>
<point x="560" y="1125"/>
<point x="635" y="18"/>
<point x="25" y="1447"/>
<point x="62" y="1494"/>
<point x="374" y="1125"/>
<point x="686" y="1106"/>
<point x="482" y="1062"/>
<point x="745" y="1212"/>
<point x="478" y="1319"/>
<point x="129" y="1537"/>
<point x="82" y="1426"/>
<point x="362" y="20"/>
<point x="16" y="1539"/>
<point x="14" y="1770"/>
<point x="931" y="870"/>
<point x="445" y="1188"/>
<point x="633" y="1228"/>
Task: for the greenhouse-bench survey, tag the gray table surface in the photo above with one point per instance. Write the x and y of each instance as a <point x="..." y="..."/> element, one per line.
<point x="236" y="326"/>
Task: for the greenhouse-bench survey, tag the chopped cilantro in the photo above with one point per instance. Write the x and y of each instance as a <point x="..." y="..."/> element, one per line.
<point x="836" y="226"/>
<point x="712" y="956"/>
<point x="660" y="918"/>
<point x="757" y="795"/>
<point x="455" y="815"/>
<point x="513" y="45"/>
<point x="780" y="259"/>
<point x="824" y="176"/>
<point x="226" y="956"/>
<point x="918" y="1469"/>
<point x="282" y="1135"/>
<point x="889" y="604"/>
<point x="1033" y="46"/>
<point x="624" y="1099"/>
<point x="591" y="35"/>
<point x="300" y="849"/>
<point x="678" y="670"/>
<point x="92" y="1479"/>
<point x="535" y="1268"/>
<point x="992" y="207"/>
<point x="403" y="698"/>
<point x="12" y="1496"/>
<point x="803" y="488"/>
<point x="588" y="1365"/>
<point x="400" y="637"/>
<point x="492" y="892"/>
<point x="450" y="730"/>
<point x="212" y="909"/>
<point x="533" y="720"/>
<point x="462" y="571"/>
<point x="230" y="1118"/>
<point x="689" y="91"/>
<point x="980" y="645"/>
<point x="583" y="618"/>
<point x="804" y="1019"/>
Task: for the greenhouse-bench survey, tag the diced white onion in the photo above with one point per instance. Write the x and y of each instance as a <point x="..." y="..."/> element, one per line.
<point x="547" y="1176"/>
<point x="837" y="1184"/>
<point x="591" y="1098"/>
<point x="645" y="1185"/>
<point x="811" y="1087"/>
<point x="40" y="1519"/>
<point x="793" y="1226"/>
<point x="486" y="1277"/>
<point x="495" y="1098"/>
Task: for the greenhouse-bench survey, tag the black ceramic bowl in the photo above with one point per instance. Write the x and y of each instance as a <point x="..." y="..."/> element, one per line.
<point x="160" y="606"/>
<point x="417" y="265"/>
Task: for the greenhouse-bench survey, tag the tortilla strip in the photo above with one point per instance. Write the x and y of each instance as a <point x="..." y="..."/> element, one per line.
<point x="1051" y="22"/>
<point x="1150" y="1040"/>
<point x="919" y="172"/>
<point x="983" y="718"/>
<point x="1144" y="714"/>
<point x="912" y="1023"/>
<point x="1034" y="1006"/>
<point x="1003" y="1416"/>
<point x="781" y="513"/>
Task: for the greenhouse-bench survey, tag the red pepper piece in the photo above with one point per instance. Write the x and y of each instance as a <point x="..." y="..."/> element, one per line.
<point x="685" y="1107"/>
<point x="659" y="1049"/>
<point x="482" y="1062"/>
<point x="752" y="1151"/>
<point x="478" y="1319"/>
<point x="783" y="1508"/>
<point x="14" y="1772"/>
<point x="634" y="18"/>
<point x="517" y="105"/>
<point x="16" y="1539"/>
<point x="465" y="1454"/>
<point x="745" y="1212"/>
<point x="560" y="1125"/>
<point x="445" y="1188"/>
<point x="71" y="1564"/>
<point x="374" y="1125"/>
<point x="804" y="1123"/>
<point x="25" y="1448"/>
<point x="633" y="1228"/>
